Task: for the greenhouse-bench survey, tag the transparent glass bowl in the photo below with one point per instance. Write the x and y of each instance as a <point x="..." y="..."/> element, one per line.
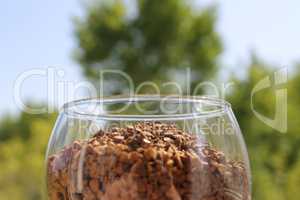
<point x="147" y="147"/>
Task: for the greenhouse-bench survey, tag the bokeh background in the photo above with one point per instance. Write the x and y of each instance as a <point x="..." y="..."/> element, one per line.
<point x="151" y="40"/>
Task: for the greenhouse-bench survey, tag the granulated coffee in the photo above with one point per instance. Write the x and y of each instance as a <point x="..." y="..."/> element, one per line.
<point x="145" y="161"/>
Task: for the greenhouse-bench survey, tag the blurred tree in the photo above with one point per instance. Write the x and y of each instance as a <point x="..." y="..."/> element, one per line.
<point x="275" y="157"/>
<point x="22" y="153"/>
<point x="156" y="40"/>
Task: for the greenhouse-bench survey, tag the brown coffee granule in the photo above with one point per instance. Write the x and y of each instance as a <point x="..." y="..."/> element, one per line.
<point x="151" y="160"/>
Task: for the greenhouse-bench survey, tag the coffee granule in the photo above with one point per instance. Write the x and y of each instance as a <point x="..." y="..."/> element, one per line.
<point x="145" y="161"/>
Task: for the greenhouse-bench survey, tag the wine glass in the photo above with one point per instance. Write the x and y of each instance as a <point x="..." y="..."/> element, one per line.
<point x="147" y="147"/>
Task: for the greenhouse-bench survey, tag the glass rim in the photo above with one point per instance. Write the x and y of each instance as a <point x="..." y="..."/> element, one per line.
<point x="221" y="107"/>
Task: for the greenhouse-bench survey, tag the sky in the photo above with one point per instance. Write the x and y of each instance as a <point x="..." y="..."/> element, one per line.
<point x="38" y="34"/>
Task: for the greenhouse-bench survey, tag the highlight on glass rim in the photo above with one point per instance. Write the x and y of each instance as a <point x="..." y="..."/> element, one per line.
<point x="149" y="100"/>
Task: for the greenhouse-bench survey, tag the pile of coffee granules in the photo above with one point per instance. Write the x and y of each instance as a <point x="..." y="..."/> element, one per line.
<point x="144" y="161"/>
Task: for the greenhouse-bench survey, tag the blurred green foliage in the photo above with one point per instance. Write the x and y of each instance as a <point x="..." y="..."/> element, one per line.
<point x="157" y="38"/>
<point x="22" y="153"/>
<point x="160" y="37"/>
<point x="275" y="156"/>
